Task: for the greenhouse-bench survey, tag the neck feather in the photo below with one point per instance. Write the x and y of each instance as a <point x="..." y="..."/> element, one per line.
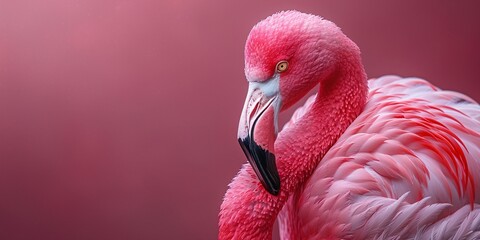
<point x="248" y="211"/>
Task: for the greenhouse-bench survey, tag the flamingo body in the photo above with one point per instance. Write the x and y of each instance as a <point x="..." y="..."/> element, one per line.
<point x="387" y="158"/>
<point x="406" y="168"/>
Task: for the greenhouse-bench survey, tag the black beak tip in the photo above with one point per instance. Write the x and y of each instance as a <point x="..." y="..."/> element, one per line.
<point x="263" y="163"/>
<point x="274" y="191"/>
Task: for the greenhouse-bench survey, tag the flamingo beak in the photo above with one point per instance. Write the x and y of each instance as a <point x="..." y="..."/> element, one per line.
<point x="258" y="129"/>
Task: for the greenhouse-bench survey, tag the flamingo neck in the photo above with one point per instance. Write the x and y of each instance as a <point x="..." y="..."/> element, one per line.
<point x="301" y="146"/>
<point x="248" y="211"/>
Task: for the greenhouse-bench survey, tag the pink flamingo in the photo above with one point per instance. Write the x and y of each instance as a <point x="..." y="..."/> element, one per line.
<point x="388" y="158"/>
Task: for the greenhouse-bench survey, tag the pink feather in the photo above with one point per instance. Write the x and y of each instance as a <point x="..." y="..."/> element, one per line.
<point x="405" y="173"/>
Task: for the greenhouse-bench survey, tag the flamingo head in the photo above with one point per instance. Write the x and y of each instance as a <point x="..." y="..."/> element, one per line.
<point x="286" y="55"/>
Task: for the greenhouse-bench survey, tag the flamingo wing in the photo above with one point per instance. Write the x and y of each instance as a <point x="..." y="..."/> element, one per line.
<point x="407" y="167"/>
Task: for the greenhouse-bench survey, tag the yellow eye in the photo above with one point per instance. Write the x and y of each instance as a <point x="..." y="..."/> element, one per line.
<point x="282" y="66"/>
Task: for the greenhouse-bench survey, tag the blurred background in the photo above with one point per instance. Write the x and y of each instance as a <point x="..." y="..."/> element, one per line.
<point x="118" y="118"/>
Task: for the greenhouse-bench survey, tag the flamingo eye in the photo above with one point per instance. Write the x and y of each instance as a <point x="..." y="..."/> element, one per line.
<point x="282" y="66"/>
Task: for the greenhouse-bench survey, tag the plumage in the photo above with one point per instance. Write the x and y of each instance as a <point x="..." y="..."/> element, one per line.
<point x="387" y="158"/>
<point x="407" y="167"/>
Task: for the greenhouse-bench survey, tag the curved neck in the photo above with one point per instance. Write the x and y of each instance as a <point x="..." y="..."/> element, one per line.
<point x="341" y="98"/>
<point x="248" y="211"/>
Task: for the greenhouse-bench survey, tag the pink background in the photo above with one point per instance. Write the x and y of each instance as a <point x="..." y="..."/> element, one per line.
<point x="118" y="118"/>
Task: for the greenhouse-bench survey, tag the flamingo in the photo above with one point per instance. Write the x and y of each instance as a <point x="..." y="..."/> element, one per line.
<point x="387" y="158"/>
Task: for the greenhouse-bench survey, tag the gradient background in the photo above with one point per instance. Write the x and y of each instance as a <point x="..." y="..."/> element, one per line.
<point x="118" y="118"/>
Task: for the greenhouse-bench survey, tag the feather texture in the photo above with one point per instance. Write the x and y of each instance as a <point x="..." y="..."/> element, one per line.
<point x="407" y="168"/>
